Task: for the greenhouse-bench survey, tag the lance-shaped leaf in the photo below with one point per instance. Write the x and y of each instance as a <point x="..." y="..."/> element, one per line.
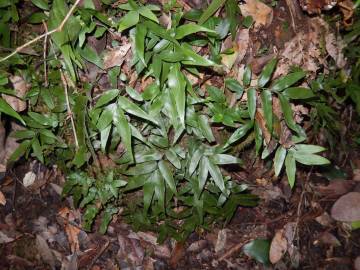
<point x="279" y="160"/>
<point x="106" y="97"/>
<point x="203" y="173"/>
<point x="133" y="109"/>
<point x="190" y="28"/>
<point x="167" y="175"/>
<point x="173" y="158"/>
<point x="287" y="81"/>
<point x="212" y="8"/>
<point x="147" y="13"/>
<point x="234" y="86"/>
<point x="290" y="165"/>
<point x="309" y="148"/>
<point x="129" y="20"/>
<point x="239" y="133"/>
<point x="205" y="128"/>
<point x="177" y="85"/>
<point x="267" y="72"/>
<point x="7" y="109"/>
<point x="216" y="175"/>
<point x="288" y="113"/>
<point x="251" y="102"/>
<point x="298" y="93"/>
<point x="310" y="159"/>
<point x="140" y="34"/>
<point x="194" y="162"/>
<point x="247" y="76"/>
<point x="266" y="100"/>
<point x="224" y="159"/>
<point x="124" y="130"/>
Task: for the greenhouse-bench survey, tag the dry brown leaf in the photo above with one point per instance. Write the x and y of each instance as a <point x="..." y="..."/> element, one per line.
<point x="261" y="13"/>
<point x="177" y="254"/>
<point x="130" y="250"/>
<point x="278" y="247"/>
<point x="221" y="240"/>
<point x="347" y="208"/>
<point x="336" y="188"/>
<point x="259" y="116"/>
<point x="197" y="246"/>
<point x="356" y="175"/>
<point x="2" y="198"/>
<point x="29" y="179"/>
<point x="72" y="231"/>
<point x="116" y="56"/>
<point x="20" y="87"/>
<point x="357" y="263"/>
<point x="324" y="219"/>
<point x="45" y="251"/>
<point x="329" y="239"/>
<point x="5" y="239"/>
<point x="334" y="46"/>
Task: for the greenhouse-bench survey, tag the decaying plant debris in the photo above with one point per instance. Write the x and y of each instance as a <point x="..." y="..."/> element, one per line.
<point x="179" y="134"/>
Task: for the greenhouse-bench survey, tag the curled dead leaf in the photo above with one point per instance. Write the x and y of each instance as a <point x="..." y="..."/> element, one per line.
<point x="327" y="238"/>
<point x="20" y="87"/>
<point x="347" y="208"/>
<point x="45" y="251"/>
<point x="116" y="56"/>
<point x="2" y="198"/>
<point x="278" y="247"/>
<point x="357" y="263"/>
<point x="261" y="13"/>
<point x="335" y="188"/>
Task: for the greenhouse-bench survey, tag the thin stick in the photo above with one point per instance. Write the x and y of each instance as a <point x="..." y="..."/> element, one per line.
<point x="46" y="83"/>
<point x="63" y="79"/>
<point x="57" y="29"/>
<point x="68" y="108"/>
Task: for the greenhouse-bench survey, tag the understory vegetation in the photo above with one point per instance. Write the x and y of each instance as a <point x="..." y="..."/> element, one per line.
<point x="138" y="127"/>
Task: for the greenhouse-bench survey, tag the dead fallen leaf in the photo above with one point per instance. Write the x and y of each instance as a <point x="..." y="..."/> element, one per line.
<point x="259" y="116"/>
<point x="45" y="251"/>
<point x="356" y="175"/>
<point x="221" y="240"/>
<point x="72" y="231"/>
<point x="20" y="87"/>
<point x="5" y="239"/>
<point x="161" y="251"/>
<point x="347" y="208"/>
<point x="116" y="56"/>
<point x="335" y="188"/>
<point x="357" y="263"/>
<point x="328" y="239"/>
<point x="177" y="254"/>
<point x="197" y="246"/>
<point x="261" y="13"/>
<point x="130" y="250"/>
<point x="324" y="219"/>
<point x="347" y="8"/>
<point x="278" y="247"/>
<point x="29" y="179"/>
<point x="334" y="46"/>
<point x="2" y="198"/>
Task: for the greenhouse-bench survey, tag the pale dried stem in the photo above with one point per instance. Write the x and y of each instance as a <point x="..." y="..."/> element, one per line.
<point x="48" y="33"/>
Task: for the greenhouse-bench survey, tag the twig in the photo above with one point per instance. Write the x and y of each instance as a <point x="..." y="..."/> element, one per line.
<point x="231" y="251"/>
<point x="57" y="29"/>
<point x="46" y="83"/>
<point x="68" y="108"/>
<point x="70" y="114"/>
<point x="97" y="256"/>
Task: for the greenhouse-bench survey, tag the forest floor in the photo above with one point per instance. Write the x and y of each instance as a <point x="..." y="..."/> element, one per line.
<point x="40" y="230"/>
